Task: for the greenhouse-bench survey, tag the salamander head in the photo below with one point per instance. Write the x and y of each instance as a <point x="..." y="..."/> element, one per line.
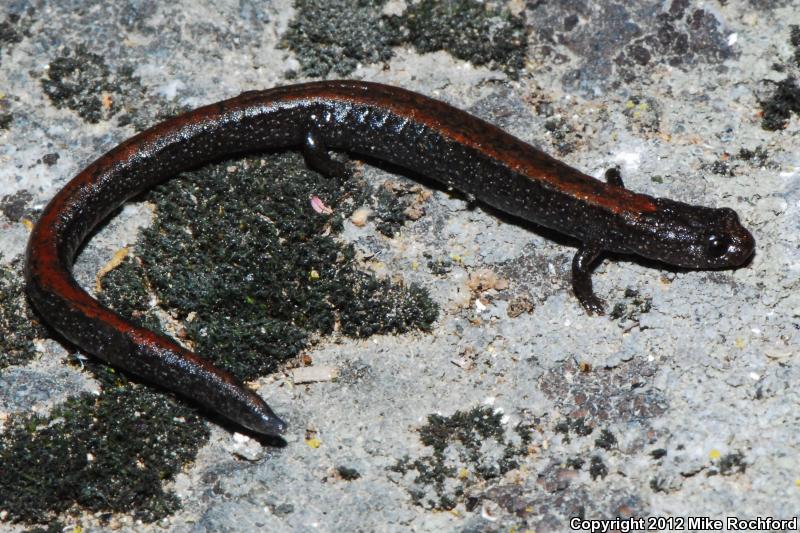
<point x="696" y="237"/>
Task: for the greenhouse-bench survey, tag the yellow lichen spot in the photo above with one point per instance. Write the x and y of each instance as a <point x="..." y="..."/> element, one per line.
<point x="797" y="483"/>
<point x="463" y="473"/>
<point x="629" y="104"/>
<point x="119" y="257"/>
<point x="456" y="258"/>
<point x="313" y="275"/>
<point x="642" y="107"/>
<point x="106" y="100"/>
<point x="415" y="265"/>
<point x="314" y="442"/>
<point x="77" y="529"/>
<point x="714" y="454"/>
<point x="739" y="343"/>
<point x="360" y="216"/>
<point x="27" y="223"/>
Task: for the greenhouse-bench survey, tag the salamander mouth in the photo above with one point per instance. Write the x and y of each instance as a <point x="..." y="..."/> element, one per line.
<point x="741" y="248"/>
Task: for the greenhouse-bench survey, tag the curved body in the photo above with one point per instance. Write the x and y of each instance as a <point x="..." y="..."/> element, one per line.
<point x="387" y="123"/>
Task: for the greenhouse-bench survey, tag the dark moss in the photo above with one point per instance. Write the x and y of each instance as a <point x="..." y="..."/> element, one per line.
<point x="465" y="435"/>
<point x="757" y="156"/>
<point x="779" y="106"/>
<point x="347" y="473"/>
<point x="50" y="159"/>
<point x="6" y="117"/>
<point x="658" y="484"/>
<point x="570" y="21"/>
<point x="389" y="212"/>
<point x="252" y="271"/>
<point x="784" y="99"/>
<point x="562" y="135"/>
<point x="575" y="463"/>
<point x="336" y="35"/>
<point x="606" y="440"/>
<point x="53" y="527"/>
<point x="581" y="428"/>
<point x="631" y="310"/>
<point x="525" y="431"/>
<point x="470" y="428"/>
<point x="17" y="323"/>
<point x="9" y="31"/>
<point x="106" y="453"/>
<point x="15" y="206"/>
<point x="732" y="463"/>
<point x="383" y="306"/>
<point x="576" y="425"/>
<point x="597" y="468"/>
<point x="126" y="289"/>
<point x="82" y="81"/>
<point x="14" y="28"/>
<point x="658" y="453"/>
<point x="721" y="168"/>
<point x="730" y="164"/>
<point x="439" y="266"/>
<point x="483" y="33"/>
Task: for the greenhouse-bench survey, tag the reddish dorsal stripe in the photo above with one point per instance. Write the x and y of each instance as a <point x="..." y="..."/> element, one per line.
<point x="474" y="132"/>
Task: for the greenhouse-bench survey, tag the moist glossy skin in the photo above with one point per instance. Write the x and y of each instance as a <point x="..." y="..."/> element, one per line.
<point x="388" y="123"/>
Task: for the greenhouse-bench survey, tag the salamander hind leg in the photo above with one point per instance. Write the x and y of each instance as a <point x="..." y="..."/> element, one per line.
<point x="582" y="265"/>
<point x="614" y="177"/>
<point x="317" y="158"/>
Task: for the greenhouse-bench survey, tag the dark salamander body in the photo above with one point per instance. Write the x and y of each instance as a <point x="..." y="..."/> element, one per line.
<point x="387" y="123"/>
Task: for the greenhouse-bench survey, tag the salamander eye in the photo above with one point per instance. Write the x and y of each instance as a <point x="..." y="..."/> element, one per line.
<point x="717" y="245"/>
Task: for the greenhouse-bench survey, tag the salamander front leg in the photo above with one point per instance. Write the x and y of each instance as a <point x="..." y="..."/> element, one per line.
<point x="582" y="278"/>
<point x="317" y="158"/>
<point x="614" y="177"/>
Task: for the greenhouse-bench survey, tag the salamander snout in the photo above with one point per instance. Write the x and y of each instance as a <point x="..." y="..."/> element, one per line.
<point x="729" y="244"/>
<point x="693" y="236"/>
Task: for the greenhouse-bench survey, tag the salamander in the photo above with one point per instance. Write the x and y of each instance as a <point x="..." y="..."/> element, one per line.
<point x="394" y="125"/>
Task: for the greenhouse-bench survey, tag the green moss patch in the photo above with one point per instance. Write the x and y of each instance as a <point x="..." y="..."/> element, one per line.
<point x="784" y="98"/>
<point x="82" y="81"/>
<point x="461" y="456"/>
<point x="483" y="33"/>
<point x="779" y="106"/>
<point x="106" y="453"/>
<point x="253" y="272"/>
<point x="14" y="28"/>
<point x="338" y="35"/>
<point x="17" y="324"/>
